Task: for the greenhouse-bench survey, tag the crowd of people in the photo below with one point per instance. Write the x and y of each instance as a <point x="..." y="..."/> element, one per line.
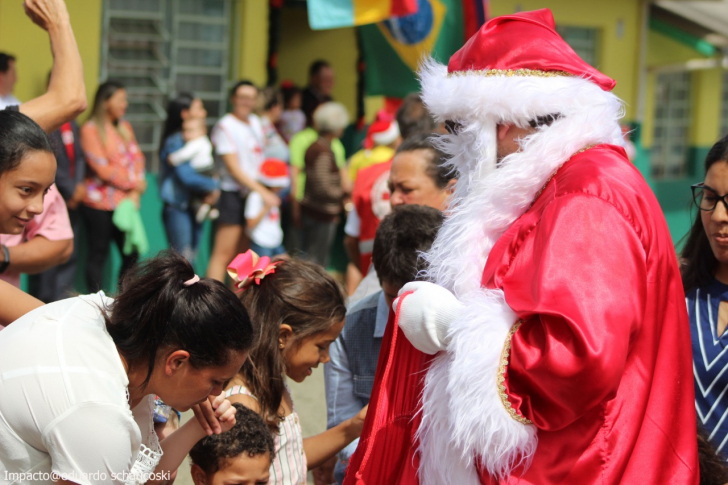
<point x="513" y="309"/>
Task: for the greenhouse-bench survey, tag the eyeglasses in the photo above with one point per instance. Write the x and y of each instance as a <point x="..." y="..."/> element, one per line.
<point x="706" y="198"/>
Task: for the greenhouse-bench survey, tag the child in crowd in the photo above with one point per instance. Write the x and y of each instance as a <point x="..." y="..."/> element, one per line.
<point x="241" y="455"/>
<point x="270" y="109"/>
<point x="263" y="220"/>
<point x="401" y="237"/>
<point x="300" y="311"/>
<point x="166" y="421"/>
<point x="198" y="151"/>
<point x="292" y="119"/>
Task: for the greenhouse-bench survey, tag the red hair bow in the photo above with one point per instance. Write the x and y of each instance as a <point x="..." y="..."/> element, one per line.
<point x="248" y="267"/>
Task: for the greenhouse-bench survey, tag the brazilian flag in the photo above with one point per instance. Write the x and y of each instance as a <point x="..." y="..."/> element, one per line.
<point x="394" y="48"/>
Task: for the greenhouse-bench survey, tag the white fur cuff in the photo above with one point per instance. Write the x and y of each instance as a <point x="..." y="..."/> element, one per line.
<point x="464" y="417"/>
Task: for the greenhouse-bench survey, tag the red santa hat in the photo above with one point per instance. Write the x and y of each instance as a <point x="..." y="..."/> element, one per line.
<point x="383" y="131"/>
<point x="274" y="173"/>
<point x="515" y="68"/>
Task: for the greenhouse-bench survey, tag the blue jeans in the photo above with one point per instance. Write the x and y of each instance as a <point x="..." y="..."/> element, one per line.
<point x="270" y="252"/>
<point x="183" y="232"/>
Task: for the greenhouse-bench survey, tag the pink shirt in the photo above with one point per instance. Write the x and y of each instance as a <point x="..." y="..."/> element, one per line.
<point x="53" y="224"/>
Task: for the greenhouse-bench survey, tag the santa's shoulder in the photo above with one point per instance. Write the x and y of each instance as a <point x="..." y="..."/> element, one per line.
<point x="605" y="172"/>
<point x="600" y="171"/>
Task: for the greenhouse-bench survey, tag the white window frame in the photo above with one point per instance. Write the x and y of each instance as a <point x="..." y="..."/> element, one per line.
<point x="671" y="130"/>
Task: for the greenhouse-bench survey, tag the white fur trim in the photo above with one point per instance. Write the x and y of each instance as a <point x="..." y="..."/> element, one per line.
<point x="462" y="410"/>
<point x="388" y="136"/>
<point x="472" y="95"/>
<point x="488" y="199"/>
<point x="274" y="181"/>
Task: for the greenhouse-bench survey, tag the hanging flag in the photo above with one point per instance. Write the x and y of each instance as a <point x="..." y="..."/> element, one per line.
<point x="475" y="13"/>
<point x="394" y="48"/>
<point x="332" y="14"/>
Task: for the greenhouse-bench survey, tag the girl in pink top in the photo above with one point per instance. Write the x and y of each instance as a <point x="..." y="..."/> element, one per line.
<point x="116" y="172"/>
<point x="299" y="311"/>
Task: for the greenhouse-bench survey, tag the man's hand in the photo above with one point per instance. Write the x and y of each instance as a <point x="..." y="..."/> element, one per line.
<point x="425" y="315"/>
<point x="46" y="14"/>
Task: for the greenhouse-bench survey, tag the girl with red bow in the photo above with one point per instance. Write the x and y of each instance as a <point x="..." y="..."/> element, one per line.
<point x="299" y="311"/>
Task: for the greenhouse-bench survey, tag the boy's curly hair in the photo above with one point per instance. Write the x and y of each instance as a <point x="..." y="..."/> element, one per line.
<point x="249" y="435"/>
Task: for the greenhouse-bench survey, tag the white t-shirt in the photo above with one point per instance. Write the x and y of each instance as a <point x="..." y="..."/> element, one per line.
<point x="9" y="100"/>
<point x="353" y="224"/>
<point x="198" y="152"/>
<point x="63" y="400"/>
<point x="268" y="232"/>
<point x="246" y="140"/>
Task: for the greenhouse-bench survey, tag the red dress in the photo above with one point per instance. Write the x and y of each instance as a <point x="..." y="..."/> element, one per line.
<point x="371" y="198"/>
<point x="602" y="361"/>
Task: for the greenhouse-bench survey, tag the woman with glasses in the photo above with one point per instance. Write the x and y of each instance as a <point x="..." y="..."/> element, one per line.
<point x="705" y="280"/>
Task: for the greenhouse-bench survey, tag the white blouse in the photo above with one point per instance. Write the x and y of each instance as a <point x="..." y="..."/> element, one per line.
<point x="64" y="408"/>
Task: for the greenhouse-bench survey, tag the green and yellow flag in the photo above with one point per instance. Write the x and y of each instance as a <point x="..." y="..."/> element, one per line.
<point x="394" y="48"/>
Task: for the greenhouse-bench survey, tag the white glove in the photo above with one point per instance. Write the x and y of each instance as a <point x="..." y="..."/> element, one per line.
<point x="426" y="315"/>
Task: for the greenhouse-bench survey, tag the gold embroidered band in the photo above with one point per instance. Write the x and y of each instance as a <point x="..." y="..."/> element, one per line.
<point x="502" y="377"/>
<point x="511" y="73"/>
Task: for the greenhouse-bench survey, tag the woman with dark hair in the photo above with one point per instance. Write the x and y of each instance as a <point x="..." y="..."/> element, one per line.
<point x="27" y="171"/>
<point x="705" y="280"/>
<point x="178" y="182"/>
<point x="80" y="376"/>
<point x="116" y="172"/>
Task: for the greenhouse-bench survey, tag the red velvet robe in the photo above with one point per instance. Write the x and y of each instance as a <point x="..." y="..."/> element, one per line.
<point x="601" y="364"/>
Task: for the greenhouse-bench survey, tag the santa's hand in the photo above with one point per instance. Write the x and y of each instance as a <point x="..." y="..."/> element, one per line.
<point x="425" y="315"/>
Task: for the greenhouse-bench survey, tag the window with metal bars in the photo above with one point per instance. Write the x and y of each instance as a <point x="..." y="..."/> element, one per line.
<point x="159" y="48"/>
<point x="671" y="133"/>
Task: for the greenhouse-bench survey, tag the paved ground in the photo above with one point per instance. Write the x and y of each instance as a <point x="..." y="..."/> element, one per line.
<point x="310" y="404"/>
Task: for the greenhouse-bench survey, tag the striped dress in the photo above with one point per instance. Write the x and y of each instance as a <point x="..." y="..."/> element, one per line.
<point x="710" y="362"/>
<point x="288" y="467"/>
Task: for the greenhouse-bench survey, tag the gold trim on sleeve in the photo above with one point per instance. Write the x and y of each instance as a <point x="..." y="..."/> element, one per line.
<point x="502" y="377"/>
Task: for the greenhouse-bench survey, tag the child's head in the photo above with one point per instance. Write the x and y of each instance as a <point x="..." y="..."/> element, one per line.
<point x="274" y="174"/>
<point x="183" y="335"/>
<point x="166" y="422"/>
<point x="241" y="455"/>
<point x="27" y="170"/>
<point x="299" y="311"/>
<point x="401" y="236"/>
<point x="270" y="103"/>
<point x="291" y="95"/>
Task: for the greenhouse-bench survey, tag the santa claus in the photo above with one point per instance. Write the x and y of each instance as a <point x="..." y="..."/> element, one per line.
<point x="551" y="345"/>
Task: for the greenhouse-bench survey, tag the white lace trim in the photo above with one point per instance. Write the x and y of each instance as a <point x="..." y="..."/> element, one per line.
<point x="148" y="457"/>
<point x="144" y="466"/>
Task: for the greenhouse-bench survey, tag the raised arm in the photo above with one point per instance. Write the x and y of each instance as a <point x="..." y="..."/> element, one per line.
<point x="65" y="98"/>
